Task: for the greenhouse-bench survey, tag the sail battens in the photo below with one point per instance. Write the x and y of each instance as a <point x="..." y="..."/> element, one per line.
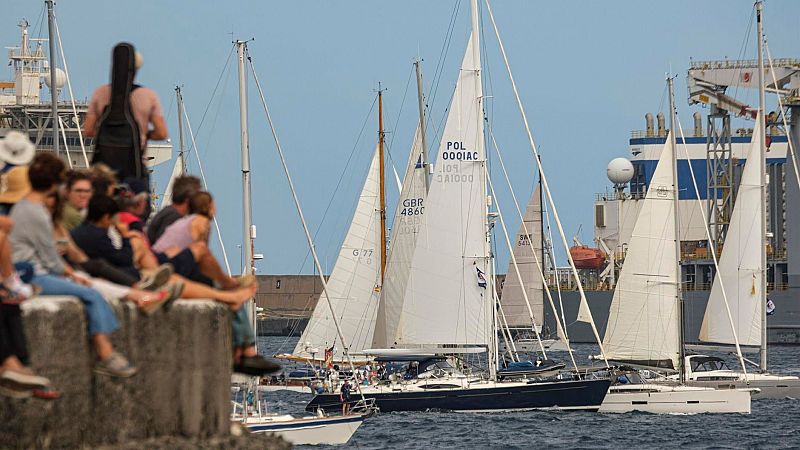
<point x="740" y="264"/>
<point x="643" y="323"/>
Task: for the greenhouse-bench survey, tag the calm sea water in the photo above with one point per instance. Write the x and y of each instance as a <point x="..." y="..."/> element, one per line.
<point x="772" y="424"/>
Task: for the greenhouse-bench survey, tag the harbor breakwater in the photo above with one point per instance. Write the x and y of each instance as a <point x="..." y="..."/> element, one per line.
<point x="182" y="390"/>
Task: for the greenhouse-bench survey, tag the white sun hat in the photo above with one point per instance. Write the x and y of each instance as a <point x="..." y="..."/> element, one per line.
<point x="16" y="149"/>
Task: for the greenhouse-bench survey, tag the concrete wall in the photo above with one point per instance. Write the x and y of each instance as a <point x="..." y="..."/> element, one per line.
<point x="182" y="388"/>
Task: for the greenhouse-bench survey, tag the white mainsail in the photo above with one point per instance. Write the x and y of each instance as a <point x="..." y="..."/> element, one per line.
<point x="644" y="322"/>
<point x="740" y="264"/>
<point x="405" y="229"/>
<point x="526" y="246"/>
<point x="177" y="171"/>
<point x="353" y="284"/>
<point x="446" y="298"/>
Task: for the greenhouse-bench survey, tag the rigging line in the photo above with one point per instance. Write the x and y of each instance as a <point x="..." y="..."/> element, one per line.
<point x="783" y="117"/>
<point x="71" y="98"/>
<point x="205" y="184"/>
<point x="711" y="244"/>
<point x="439" y="71"/>
<point x="213" y="93"/>
<point x="399" y="113"/>
<point x="303" y="222"/>
<point x="341" y="178"/>
<point x="546" y="288"/>
<point x="584" y="302"/>
<point x="742" y="50"/>
<point x="221" y="96"/>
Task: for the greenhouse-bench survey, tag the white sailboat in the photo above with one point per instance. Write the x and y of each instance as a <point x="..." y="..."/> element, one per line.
<point x="355" y="282"/>
<point x="740" y="270"/>
<point x="448" y="304"/>
<point x="645" y="320"/>
<point x="528" y="249"/>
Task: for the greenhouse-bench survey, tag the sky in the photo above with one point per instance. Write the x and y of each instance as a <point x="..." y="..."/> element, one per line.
<point x="587" y="73"/>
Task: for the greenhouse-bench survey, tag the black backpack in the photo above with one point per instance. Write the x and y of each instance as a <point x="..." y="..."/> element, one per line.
<point x="117" y="142"/>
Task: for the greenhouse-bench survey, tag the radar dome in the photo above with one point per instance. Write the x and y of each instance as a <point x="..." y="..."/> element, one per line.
<point x="620" y="171"/>
<point x="61" y="78"/>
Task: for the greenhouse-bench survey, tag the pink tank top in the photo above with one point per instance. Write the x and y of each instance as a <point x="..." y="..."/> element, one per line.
<point x="179" y="234"/>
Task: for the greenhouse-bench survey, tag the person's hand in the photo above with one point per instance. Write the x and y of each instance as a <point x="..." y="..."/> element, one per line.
<point x="123" y="229"/>
<point x="6" y="223"/>
<point x="80" y="279"/>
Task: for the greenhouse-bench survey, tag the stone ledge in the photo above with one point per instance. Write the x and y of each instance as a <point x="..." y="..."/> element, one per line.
<point x="182" y="388"/>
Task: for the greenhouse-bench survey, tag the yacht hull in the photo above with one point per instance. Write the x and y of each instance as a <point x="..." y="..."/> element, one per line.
<point x="678" y="400"/>
<point x="310" y="430"/>
<point x="767" y="389"/>
<point x="481" y="396"/>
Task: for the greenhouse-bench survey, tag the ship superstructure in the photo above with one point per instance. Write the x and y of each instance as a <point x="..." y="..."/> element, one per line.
<point x="25" y="106"/>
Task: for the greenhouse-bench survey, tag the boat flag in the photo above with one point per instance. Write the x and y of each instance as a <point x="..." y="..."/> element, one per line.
<point x="770" y="307"/>
<point x="481" y="278"/>
<point x="329" y="357"/>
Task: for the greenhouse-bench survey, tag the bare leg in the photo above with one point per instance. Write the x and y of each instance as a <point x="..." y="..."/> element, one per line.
<point x="143" y="257"/>
<point x="13" y="363"/>
<point x="209" y="266"/>
<point x="6" y="266"/>
<point x="102" y="345"/>
<point x="234" y="298"/>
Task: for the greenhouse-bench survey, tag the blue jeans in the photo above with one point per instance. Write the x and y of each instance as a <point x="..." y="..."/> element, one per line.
<point x="243" y="335"/>
<point x="99" y="314"/>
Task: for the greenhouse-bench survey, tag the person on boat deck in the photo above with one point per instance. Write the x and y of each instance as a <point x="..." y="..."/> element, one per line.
<point x="92" y="231"/>
<point x="345" y="397"/>
<point x="183" y="188"/>
<point x="34" y="243"/>
<point x="78" y="192"/>
<point x="17" y="380"/>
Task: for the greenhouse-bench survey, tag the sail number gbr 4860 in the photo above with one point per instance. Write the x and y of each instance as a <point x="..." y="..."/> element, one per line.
<point x="456" y="152"/>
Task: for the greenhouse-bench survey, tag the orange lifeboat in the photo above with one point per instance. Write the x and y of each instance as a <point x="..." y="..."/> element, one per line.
<point x="586" y="257"/>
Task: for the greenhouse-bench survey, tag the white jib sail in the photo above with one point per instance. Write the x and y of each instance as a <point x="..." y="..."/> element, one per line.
<point x="643" y="322"/>
<point x="405" y="229"/>
<point x="740" y="264"/>
<point x="353" y="283"/>
<point x="526" y="245"/>
<point x="446" y="297"/>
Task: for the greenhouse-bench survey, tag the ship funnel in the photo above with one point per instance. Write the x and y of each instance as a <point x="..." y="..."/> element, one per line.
<point x="698" y="124"/>
<point x="662" y="131"/>
<point x="648" y="120"/>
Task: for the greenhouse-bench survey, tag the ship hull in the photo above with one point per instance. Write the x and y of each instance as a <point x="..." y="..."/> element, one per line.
<point x="484" y="396"/>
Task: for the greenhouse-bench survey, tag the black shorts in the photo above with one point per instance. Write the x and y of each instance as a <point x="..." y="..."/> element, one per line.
<point x="185" y="266"/>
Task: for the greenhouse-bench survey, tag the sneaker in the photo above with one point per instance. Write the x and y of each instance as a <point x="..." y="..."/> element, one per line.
<point x="256" y="366"/>
<point x="12" y="390"/>
<point x="155" y="279"/>
<point x="24" y="378"/>
<point x="115" y="365"/>
<point x="162" y="298"/>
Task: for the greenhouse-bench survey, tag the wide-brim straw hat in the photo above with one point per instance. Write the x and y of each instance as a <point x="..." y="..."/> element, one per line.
<point x="15" y="185"/>
<point x="16" y="149"/>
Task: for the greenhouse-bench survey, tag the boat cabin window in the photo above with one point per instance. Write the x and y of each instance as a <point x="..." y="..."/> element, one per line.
<point x="708" y="365"/>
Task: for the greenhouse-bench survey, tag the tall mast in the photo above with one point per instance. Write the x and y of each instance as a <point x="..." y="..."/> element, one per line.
<point x="763" y="155"/>
<point x="677" y="223"/>
<point x="247" y="214"/>
<point x="51" y="28"/>
<point x="381" y="139"/>
<point x="423" y="138"/>
<point x="182" y="147"/>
